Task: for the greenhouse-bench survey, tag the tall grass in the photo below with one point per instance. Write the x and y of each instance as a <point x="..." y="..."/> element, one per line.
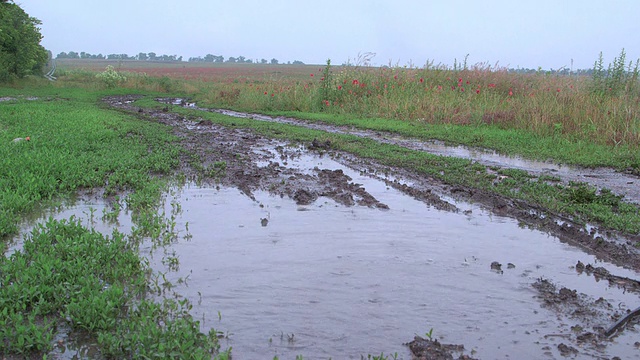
<point x="547" y="105"/>
<point x="603" y="108"/>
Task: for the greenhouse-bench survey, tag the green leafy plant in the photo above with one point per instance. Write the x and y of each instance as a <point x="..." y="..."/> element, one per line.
<point x="110" y="77"/>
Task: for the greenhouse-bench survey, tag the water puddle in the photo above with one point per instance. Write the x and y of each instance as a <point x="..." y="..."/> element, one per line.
<point x="619" y="183"/>
<point x="330" y="281"/>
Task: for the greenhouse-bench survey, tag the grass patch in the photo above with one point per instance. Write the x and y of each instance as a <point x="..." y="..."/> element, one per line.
<point x="74" y="144"/>
<point x="67" y="273"/>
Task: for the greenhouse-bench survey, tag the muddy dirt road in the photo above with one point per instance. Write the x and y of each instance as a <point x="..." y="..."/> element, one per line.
<point x="527" y="284"/>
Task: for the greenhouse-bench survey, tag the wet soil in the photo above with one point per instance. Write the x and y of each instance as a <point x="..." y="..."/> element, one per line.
<point x="623" y="183"/>
<point x="255" y="164"/>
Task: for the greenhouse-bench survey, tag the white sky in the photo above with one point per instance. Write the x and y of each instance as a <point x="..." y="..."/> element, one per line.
<point x="514" y="33"/>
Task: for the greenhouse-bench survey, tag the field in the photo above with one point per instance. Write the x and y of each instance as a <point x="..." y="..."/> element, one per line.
<point x="130" y="133"/>
<point x="580" y="120"/>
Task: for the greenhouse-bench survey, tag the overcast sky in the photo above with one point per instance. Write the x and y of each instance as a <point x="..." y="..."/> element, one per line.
<point x="514" y="33"/>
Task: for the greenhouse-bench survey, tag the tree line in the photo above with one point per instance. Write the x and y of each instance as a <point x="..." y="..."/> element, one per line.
<point x="20" y="51"/>
<point x="210" y="58"/>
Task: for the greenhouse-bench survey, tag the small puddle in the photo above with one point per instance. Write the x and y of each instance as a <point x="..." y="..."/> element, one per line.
<point x="328" y="281"/>
<point x="618" y="183"/>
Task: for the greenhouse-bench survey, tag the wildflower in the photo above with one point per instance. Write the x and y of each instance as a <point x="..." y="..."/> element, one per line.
<point x="339" y="87"/>
<point x="272" y="95"/>
<point x="477" y="91"/>
<point x="439" y="87"/>
<point x="311" y="75"/>
<point x="510" y="92"/>
<point x="468" y="82"/>
<point x="461" y="89"/>
<point x="395" y="77"/>
<point x="322" y="78"/>
<point x="558" y="90"/>
<point x="327" y="103"/>
<point x="265" y="93"/>
<point x="355" y="82"/>
<point x="459" y="80"/>
<point x="492" y="85"/>
<point x="421" y="80"/>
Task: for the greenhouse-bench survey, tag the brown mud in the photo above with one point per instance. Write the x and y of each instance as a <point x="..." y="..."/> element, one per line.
<point x="233" y="157"/>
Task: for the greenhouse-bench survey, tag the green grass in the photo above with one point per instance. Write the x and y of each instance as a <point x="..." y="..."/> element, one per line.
<point x="506" y="141"/>
<point x="96" y="284"/>
<point x="75" y="144"/>
<point x="67" y="273"/>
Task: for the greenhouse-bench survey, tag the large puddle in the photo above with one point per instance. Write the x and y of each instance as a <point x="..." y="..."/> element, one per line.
<point x="329" y="281"/>
<point x="620" y="183"/>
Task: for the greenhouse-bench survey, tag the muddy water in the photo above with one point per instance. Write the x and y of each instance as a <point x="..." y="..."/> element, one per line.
<point x="620" y="183"/>
<point x="325" y="280"/>
<point x="329" y="281"/>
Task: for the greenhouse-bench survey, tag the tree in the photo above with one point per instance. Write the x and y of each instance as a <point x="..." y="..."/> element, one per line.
<point x="274" y="61"/>
<point x="20" y="51"/>
<point x="142" y="56"/>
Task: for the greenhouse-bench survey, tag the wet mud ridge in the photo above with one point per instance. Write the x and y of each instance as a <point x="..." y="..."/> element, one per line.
<point x="239" y="158"/>
<point x="624" y="183"/>
<point x="233" y="157"/>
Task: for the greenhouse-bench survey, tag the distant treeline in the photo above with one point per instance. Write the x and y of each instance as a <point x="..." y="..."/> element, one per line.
<point x="155" y="57"/>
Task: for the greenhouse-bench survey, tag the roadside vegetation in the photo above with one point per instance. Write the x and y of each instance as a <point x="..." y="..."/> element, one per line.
<point x="67" y="275"/>
<point x="573" y="119"/>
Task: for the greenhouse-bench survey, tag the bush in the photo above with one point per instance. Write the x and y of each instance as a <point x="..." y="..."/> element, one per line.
<point x="110" y="77"/>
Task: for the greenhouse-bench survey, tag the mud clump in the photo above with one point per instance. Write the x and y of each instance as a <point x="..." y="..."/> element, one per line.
<point x="590" y="317"/>
<point x="304" y="197"/>
<point x="428" y="349"/>
<point x="320" y="145"/>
